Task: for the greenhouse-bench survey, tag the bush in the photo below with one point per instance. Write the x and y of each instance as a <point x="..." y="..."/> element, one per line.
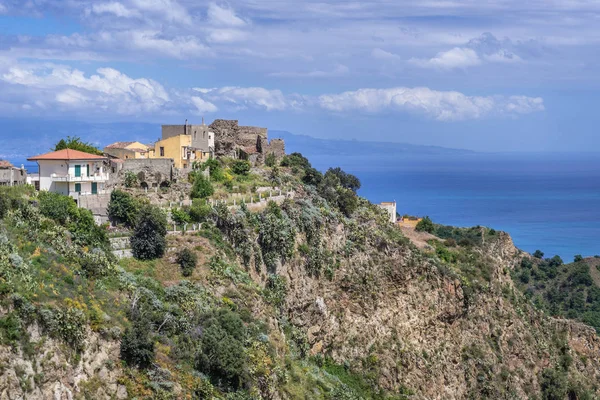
<point x="123" y="208"/>
<point x="187" y="260"/>
<point x="148" y="241"/>
<point x="346" y="180"/>
<point x="578" y="258"/>
<point x="180" y="216"/>
<point x="137" y="348"/>
<point x="221" y="355"/>
<point x="240" y="167"/>
<point x="60" y="208"/>
<point x="199" y="211"/>
<point x="538" y="254"/>
<point x="202" y="188"/>
<point x="131" y="179"/>
<point x="295" y="160"/>
<point x="75" y="143"/>
<point x="425" y="225"/>
<point x="270" y="160"/>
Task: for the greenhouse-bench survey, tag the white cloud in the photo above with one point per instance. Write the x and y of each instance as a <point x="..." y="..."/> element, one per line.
<point x="108" y="90"/>
<point x="3" y="9"/>
<point x="244" y="97"/>
<point x="203" y="106"/>
<point x="224" y="16"/>
<point x="225" y="35"/>
<point x="458" y="57"/>
<point x="441" y="105"/>
<point x="169" y="10"/>
<point x="114" y="8"/>
<point x="381" y="54"/>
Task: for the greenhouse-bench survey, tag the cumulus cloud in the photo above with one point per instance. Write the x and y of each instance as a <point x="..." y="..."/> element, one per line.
<point x="224" y="16"/>
<point x="457" y="57"/>
<point x="113" y="7"/>
<point x="247" y="97"/>
<point x="109" y="90"/>
<point x="479" y="50"/>
<point x="203" y="106"/>
<point x="339" y="70"/>
<point x="440" y="105"/>
<point x="170" y="10"/>
<point x="381" y="54"/>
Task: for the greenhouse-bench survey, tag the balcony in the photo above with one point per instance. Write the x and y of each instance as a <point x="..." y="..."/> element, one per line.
<point x="83" y="178"/>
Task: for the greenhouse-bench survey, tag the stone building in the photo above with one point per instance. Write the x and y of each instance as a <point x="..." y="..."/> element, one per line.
<point x="11" y="175"/>
<point x="151" y="173"/>
<point x="246" y="142"/>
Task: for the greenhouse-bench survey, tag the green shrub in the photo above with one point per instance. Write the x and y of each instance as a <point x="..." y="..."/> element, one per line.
<point x="148" y="240"/>
<point x="275" y="290"/>
<point x="199" y="211"/>
<point x="295" y="160"/>
<point x="58" y="207"/>
<point x="187" y="260"/>
<point x="270" y="160"/>
<point x="75" y="143"/>
<point x="240" y="167"/>
<point x="137" y="347"/>
<point x="221" y="354"/>
<point x="123" y="208"/>
<point x="425" y="225"/>
<point x="538" y="254"/>
<point x="180" y="216"/>
<point x="131" y="179"/>
<point x="578" y="258"/>
<point x="202" y="188"/>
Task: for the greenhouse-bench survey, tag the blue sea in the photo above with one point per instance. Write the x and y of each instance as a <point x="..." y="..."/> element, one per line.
<point x="549" y="202"/>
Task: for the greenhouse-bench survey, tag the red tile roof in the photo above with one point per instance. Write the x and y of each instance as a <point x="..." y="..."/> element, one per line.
<point x="5" y="164"/>
<point x="67" y="154"/>
<point x="118" y="145"/>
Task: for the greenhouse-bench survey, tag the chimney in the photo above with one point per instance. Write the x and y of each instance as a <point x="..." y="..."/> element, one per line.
<point x="185" y="127"/>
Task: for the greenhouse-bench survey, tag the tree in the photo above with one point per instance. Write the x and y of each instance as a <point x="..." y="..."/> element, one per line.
<point x="199" y="211"/>
<point x="137" y="347"/>
<point x="75" y="143"/>
<point x="270" y="160"/>
<point x="538" y="254"/>
<point x="123" y="208"/>
<point x="148" y="241"/>
<point x="240" y="167"/>
<point x="425" y="225"/>
<point x="578" y="258"/>
<point x="187" y="260"/>
<point x="312" y="176"/>
<point x="202" y="188"/>
<point x="131" y="179"/>
<point x="295" y="160"/>
<point x="221" y="353"/>
<point x="346" y="180"/>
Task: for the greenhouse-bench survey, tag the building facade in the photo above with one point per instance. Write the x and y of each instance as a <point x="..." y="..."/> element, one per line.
<point x="127" y="150"/>
<point x="11" y="175"/>
<point x="72" y="172"/>
<point x="390" y="207"/>
<point x="179" y="149"/>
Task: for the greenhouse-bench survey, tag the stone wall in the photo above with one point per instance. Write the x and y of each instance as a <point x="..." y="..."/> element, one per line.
<point x="230" y="138"/>
<point x="275" y="146"/>
<point x="151" y="172"/>
<point x="12" y="175"/>
<point x="169" y="131"/>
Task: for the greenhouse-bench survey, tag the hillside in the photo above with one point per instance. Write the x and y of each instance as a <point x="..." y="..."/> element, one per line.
<point x="313" y="297"/>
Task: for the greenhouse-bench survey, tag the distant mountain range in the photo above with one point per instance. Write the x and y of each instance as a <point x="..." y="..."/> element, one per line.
<point x="21" y="138"/>
<point x="309" y="145"/>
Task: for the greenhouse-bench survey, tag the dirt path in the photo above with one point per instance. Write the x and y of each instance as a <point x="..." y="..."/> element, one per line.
<point x="419" y="239"/>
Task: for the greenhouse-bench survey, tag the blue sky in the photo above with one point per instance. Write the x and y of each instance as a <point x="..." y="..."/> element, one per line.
<point x="485" y="75"/>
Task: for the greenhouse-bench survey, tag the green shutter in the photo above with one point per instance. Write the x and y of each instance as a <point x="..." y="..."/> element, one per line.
<point x="94" y="188"/>
<point x="87" y="169"/>
<point x="78" y="187"/>
<point x="77" y="171"/>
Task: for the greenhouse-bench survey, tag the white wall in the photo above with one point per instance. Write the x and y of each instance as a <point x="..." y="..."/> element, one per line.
<point x="49" y="167"/>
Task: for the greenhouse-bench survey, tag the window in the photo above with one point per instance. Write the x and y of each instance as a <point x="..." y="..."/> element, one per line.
<point x="162" y="151"/>
<point x="77" y="171"/>
<point x="78" y="188"/>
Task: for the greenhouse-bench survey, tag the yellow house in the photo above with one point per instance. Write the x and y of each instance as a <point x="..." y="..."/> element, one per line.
<point x="127" y="150"/>
<point x="179" y="149"/>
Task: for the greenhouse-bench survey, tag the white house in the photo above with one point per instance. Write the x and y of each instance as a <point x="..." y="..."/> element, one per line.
<point x="390" y="207"/>
<point x="71" y="172"/>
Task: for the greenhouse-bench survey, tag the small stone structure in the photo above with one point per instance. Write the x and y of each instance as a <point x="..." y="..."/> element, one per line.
<point x="11" y="175"/>
<point x="245" y="142"/>
<point x="151" y="172"/>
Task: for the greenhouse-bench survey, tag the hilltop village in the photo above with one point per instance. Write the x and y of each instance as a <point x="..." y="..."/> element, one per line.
<point x="182" y="149"/>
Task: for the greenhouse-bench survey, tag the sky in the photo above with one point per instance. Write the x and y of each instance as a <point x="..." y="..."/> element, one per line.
<point x="500" y="75"/>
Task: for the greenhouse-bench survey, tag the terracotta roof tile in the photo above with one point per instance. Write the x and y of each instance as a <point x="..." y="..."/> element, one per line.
<point x="5" y="164"/>
<point x="66" y="154"/>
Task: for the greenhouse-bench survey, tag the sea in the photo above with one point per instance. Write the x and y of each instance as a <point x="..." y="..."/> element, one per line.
<point x="544" y="201"/>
